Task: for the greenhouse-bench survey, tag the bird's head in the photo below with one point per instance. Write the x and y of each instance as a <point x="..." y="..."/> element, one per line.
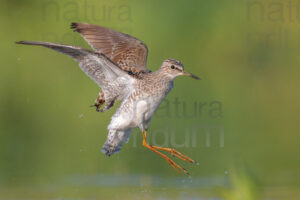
<point x="175" y="68"/>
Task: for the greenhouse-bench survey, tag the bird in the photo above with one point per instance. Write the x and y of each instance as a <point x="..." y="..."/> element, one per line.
<point x="117" y="64"/>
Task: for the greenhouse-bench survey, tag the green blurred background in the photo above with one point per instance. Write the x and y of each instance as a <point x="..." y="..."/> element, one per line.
<point x="245" y="135"/>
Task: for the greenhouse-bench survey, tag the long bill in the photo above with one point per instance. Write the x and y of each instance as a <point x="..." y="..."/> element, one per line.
<point x="191" y="75"/>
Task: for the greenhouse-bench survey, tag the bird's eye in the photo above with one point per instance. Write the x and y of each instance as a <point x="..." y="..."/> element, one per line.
<point x="172" y="67"/>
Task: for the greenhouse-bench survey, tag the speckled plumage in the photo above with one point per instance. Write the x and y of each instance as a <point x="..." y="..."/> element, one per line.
<point x="118" y="66"/>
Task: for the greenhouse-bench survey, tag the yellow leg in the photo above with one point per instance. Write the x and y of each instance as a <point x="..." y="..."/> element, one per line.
<point x="175" y="153"/>
<point x="170" y="161"/>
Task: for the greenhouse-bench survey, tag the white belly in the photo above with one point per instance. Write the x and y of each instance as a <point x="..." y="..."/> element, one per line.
<point x="146" y="108"/>
<point x="139" y="113"/>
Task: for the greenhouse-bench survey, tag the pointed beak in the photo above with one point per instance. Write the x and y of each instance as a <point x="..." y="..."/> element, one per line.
<point x="190" y="75"/>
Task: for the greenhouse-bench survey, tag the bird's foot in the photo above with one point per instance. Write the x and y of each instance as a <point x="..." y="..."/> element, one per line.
<point x="176" y="153"/>
<point x="155" y="149"/>
<point x="175" y="166"/>
<point x="98" y="103"/>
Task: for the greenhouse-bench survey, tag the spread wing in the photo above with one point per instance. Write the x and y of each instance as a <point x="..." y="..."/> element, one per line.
<point x="129" y="53"/>
<point x="96" y="65"/>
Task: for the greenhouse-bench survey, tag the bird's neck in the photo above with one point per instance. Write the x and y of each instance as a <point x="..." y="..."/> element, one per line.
<point x="162" y="76"/>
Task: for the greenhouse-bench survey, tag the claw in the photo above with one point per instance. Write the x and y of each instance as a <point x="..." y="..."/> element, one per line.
<point x="186" y="172"/>
<point x="98" y="103"/>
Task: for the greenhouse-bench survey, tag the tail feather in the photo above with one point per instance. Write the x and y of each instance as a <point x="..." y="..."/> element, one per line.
<point x="114" y="141"/>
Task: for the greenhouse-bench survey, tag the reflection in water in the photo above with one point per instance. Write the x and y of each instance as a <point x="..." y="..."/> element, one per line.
<point x="135" y="180"/>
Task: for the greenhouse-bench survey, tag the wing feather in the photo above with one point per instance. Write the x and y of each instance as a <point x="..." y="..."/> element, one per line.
<point x="129" y="53"/>
<point x="96" y="65"/>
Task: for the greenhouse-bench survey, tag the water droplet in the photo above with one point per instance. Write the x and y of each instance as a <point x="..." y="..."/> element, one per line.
<point x="80" y="116"/>
<point x="190" y="178"/>
<point x="226" y="172"/>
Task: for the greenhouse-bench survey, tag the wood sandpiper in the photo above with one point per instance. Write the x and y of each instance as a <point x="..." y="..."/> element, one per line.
<point x="118" y="66"/>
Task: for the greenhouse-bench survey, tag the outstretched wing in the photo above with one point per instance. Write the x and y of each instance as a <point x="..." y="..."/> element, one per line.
<point x="96" y="65"/>
<point x="129" y="53"/>
<point x="104" y="72"/>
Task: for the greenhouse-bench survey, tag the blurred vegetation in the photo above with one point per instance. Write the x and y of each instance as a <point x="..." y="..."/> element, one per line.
<point x="247" y="54"/>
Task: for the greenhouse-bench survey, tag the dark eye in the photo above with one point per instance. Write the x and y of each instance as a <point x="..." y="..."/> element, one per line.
<point x="172" y="67"/>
